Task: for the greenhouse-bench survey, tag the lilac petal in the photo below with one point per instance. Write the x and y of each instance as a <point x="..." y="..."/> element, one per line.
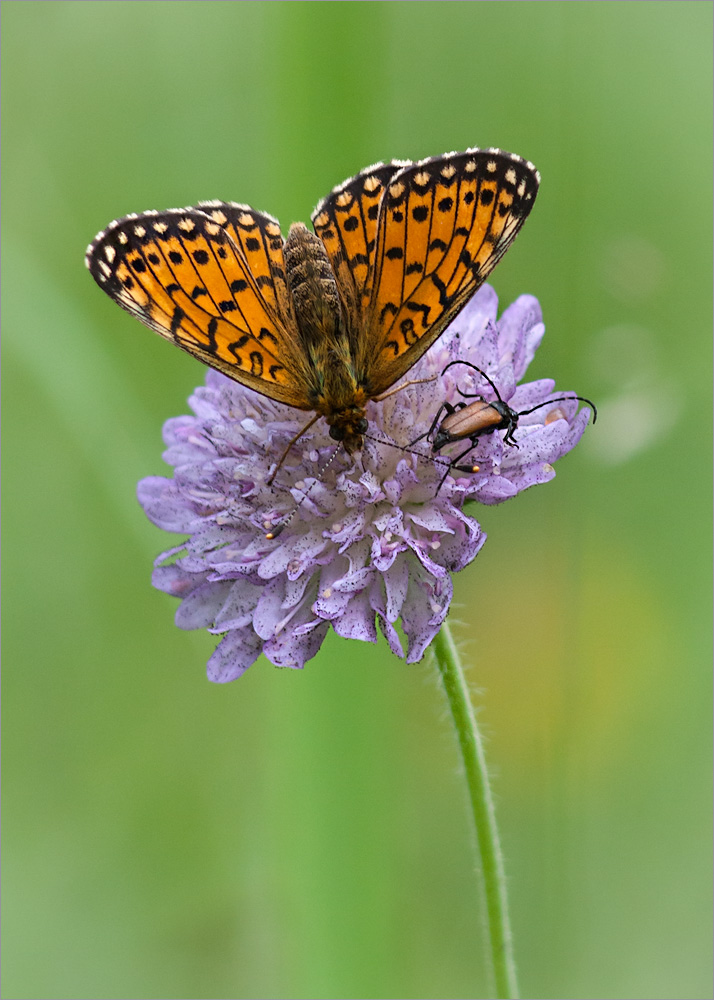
<point x="177" y="430"/>
<point x="332" y="599"/>
<point x="295" y="591"/>
<point x="482" y="309"/>
<point x="396" y="583"/>
<point x="270" y="614"/>
<point x="507" y="382"/>
<point x="212" y="537"/>
<point x="378" y="605"/>
<point x="520" y="333"/>
<point x="482" y="354"/>
<point x="174" y="580"/>
<point x="353" y="581"/>
<point x="423" y="614"/>
<point x="385" y="550"/>
<point x="357" y="619"/>
<point x="532" y="475"/>
<point x="577" y="429"/>
<point x="186" y="442"/>
<point x="331" y="604"/>
<point x="533" y="445"/>
<point x="238" y="607"/>
<point x="200" y="608"/>
<point x="531" y="394"/>
<point x="291" y="650"/>
<point x="169" y="553"/>
<point x="233" y="656"/>
<point x="217" y="380"/>
<point x="495" y="490"/>
<point x="293" y="555"/>
<point x="422" y="549"/>
<point x="347" y="531"/>
<point x="431" y="518"/>
<point x="163" y="504"/>
<point x="205" y="405"/>
<point x="462" y="546"/>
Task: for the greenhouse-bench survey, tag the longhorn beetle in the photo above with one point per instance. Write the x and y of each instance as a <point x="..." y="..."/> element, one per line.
<point x="470" y="421"/>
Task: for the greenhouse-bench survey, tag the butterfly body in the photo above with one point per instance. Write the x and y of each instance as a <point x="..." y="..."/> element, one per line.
<point x="337" y="389"/>
<point x="322" y="321"/>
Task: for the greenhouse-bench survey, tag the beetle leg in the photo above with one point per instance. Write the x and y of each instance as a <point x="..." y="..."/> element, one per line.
<point x="454" y="461"/>
<point x="435" y="422"/>
<point x="453" y="464"/>
<point x="508" y="437"/>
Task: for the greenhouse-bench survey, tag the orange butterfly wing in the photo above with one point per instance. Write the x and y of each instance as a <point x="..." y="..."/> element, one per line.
<point x="346" y="222"/>
<point x="211" y="279"/>
<point x="443" y="225"/>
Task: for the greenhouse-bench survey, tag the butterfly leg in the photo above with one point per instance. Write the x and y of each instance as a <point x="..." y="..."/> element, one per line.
<point x="398" y="388"/>
<point x="291" y="442"/>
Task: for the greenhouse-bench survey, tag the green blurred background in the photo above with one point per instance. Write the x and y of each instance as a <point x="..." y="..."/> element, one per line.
<point x="304" y="834"/>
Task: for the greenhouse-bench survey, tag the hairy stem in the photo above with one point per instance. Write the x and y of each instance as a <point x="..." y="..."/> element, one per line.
<point x="500" y="944"/>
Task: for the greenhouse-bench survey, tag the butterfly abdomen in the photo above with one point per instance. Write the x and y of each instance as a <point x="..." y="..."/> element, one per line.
<point x="320" y="319"/>
<point x="313" y="287"/>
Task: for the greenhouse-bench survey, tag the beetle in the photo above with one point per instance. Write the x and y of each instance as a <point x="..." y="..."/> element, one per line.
<point x="470" y="421"/>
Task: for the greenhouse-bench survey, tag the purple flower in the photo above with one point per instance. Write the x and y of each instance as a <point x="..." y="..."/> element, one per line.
<point x="372" y="540"/>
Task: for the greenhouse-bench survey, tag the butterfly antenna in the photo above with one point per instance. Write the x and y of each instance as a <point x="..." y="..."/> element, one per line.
<point x="471" y="395"/>
<point x="561" y="399"/>
<point x="282" y="525"/>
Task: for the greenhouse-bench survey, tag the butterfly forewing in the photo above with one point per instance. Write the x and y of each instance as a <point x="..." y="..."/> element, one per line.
<point x="346" y="222"/>
<point x="259" y="238"/>
<point x="443" y="226"/>
<point x="185" y="275"/>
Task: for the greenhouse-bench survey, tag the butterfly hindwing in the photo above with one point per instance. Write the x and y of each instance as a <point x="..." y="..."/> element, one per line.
<point x="444" y="223"/>
<point x="186" y="275"/>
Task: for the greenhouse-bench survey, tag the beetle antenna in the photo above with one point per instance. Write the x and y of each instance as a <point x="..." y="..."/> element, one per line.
<point x="561" y="399"/>
<point x="473" y="395"/>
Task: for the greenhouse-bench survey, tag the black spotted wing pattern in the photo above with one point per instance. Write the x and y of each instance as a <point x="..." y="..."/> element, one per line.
<point x="443" y="226"/>
<point x="346" y="222"/>
<point x="211" y="279"/>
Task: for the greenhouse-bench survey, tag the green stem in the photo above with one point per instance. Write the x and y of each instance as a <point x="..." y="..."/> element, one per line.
<point x="500" y="944"/>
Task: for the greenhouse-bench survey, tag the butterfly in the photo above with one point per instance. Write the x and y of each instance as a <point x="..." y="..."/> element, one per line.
<point x="325" y="320"/>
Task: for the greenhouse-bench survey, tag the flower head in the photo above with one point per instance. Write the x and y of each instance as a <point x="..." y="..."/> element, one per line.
<point x="375" y="537"/>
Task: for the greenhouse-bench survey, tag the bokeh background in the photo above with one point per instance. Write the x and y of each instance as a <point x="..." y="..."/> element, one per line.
<point x="304" y="834"/>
